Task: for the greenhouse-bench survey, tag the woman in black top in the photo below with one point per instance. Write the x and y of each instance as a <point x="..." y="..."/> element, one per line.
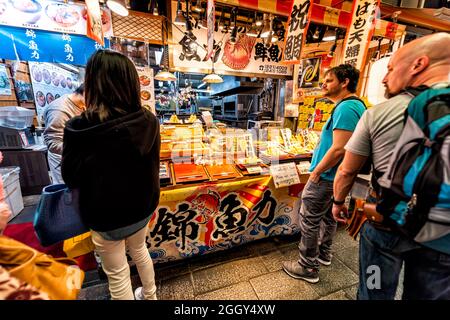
<point x="111" y="153"/>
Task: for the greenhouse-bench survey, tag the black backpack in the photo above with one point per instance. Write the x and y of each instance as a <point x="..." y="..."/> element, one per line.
<point x="415" y="190"/>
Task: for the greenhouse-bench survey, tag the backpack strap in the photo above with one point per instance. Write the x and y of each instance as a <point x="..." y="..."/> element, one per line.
<point x="346" y="99"/>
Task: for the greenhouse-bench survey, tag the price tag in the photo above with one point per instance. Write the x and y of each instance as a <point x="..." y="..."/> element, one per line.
<point x="24" y="139"/>
<point x="303" y="167"/>
<point x="284" y="174"/>
<point x="254" y="169"/>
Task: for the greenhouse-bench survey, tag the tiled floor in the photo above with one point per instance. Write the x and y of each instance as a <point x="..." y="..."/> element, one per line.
<point x="248" y="272"/>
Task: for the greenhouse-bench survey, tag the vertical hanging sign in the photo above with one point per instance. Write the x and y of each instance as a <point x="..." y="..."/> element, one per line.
<point x="94" y="21"/>
<point x="211" y="17"/>
<point x="360" y="32"/>
<point x="296" y="31"/>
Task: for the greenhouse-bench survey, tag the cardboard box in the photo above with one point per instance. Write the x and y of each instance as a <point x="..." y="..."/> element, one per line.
<point x="12" y="191"/>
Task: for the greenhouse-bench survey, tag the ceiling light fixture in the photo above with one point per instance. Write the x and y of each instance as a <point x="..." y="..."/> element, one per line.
<point x="330" y="35"/>
<point x="165" y="75"/>
<point x="119" y="7"/>
<point x="267" y="29"/>
<point x="155" y="9"/>
<point x="180" y="20"/>
<point x="332" y="50"/>
<point x="212" y="77"/>
<point x="198" y="6"/>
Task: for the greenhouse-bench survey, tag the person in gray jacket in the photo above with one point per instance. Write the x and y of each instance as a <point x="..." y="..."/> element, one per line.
<point x="55" y="117"/>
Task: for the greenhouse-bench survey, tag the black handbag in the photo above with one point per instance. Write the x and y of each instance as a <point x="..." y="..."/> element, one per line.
<point x="57" y="215"/>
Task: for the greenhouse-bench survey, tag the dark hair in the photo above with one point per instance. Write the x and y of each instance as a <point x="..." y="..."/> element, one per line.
<point x="112" y="85"/>
<point x="346" y="71"/>
<point x="80" y="89"/>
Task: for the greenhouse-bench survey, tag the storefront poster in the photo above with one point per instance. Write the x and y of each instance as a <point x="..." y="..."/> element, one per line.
<point x="306" y="78"/>
<point x="297" y="28"/>
<point x="24" y="91"/>
<point x="359" y="34"/>
<point x="147" y="88"/>
<point x="5" y="86"/>
<point x="248" y="56"/>
<point x="216" y="216"/>
<point x="50" y="15"/>
<point x="49" y="83"/>
<point x="43" y="46"/>
<point x="199" y="219"/>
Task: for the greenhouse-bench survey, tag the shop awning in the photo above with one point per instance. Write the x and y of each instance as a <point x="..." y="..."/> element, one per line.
<point x="420" y="17"/>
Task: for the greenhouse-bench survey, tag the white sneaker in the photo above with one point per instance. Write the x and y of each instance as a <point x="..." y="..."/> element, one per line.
<point x="139" y="295"/>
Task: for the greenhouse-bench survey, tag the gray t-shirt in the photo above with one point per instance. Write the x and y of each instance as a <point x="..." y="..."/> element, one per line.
<point x="379" y="129"/>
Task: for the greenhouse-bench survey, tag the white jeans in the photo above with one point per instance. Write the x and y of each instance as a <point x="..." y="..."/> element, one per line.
<point x="115" y="264"/>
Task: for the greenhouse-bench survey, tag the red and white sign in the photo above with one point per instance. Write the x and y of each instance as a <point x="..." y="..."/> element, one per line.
<point x="360" y="32"/>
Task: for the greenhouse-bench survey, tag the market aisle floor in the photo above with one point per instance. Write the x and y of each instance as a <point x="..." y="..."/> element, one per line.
<point x="248" y="272"/>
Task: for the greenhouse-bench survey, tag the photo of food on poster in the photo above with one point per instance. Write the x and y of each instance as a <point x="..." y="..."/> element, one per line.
<point x="5" y="86"/>
<point x="147" y="88"/>
<point x="49" y="83"/>
<point x="50" y="15"/>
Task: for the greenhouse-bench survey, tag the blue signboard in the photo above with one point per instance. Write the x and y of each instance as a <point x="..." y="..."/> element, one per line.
<point x="44" y="46"/>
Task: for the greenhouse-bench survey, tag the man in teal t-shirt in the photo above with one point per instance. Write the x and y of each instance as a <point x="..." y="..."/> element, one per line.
<point x="315" y="212"/>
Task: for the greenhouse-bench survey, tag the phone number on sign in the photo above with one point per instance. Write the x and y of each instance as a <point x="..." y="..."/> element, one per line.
<point x="273" y="69"/>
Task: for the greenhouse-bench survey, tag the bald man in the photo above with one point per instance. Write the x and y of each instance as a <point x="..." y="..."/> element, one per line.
<point x="422" y="62"/>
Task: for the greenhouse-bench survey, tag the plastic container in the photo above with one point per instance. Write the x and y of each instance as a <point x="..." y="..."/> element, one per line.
<point x="16" y="117"/>
<point x="12" y="191"/>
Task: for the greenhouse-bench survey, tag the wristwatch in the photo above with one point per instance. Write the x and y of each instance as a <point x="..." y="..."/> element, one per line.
<point x="337" y="202"/>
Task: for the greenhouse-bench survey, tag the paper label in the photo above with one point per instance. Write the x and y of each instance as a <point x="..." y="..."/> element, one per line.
<point x="284" y="174"/>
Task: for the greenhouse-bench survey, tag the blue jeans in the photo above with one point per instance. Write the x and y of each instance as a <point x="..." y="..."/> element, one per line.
<point x="427" y="272"/>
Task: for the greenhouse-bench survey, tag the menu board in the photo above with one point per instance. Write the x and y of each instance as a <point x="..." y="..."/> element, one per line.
<point x="50" y="15"/>
<point x="284" y="174"/>
<point x="5" y="86"/>
<point x="49" y="83"/>
<point x="147" y="88"/>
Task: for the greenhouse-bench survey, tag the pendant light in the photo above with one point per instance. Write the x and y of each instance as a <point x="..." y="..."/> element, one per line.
<point x="212" y="77"/>
<point x="198" y="6"/>
<point x="267" y="29"/>
<point x="180" y="20"/>
<point x="165" y="75"/>
<point x="253" y="31"/>
<point x="119" y="7"/>
<point x="155" y="9"/>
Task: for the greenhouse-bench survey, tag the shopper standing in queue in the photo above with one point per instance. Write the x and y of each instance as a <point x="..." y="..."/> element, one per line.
<point x="315" y="212"/>
<point x="421" y="64"/>
<point x="56" y="115"/>
<point x="111" y="153"/>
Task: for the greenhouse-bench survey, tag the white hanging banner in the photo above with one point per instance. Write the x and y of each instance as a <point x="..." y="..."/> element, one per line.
<point x="360" y="32"/>
<point x="296" y="31"/>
